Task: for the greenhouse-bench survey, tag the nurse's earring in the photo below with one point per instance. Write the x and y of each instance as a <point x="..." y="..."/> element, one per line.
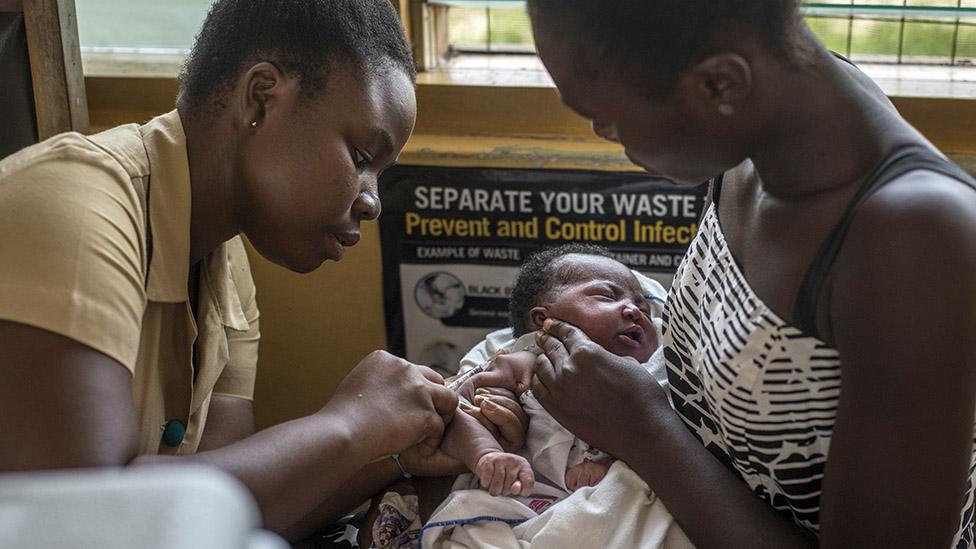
<point x="254" y="123"/>
<point x="726" y="109"/>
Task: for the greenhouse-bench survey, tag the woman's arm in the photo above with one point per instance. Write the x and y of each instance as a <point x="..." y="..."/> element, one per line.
<point x="290" y="468"/>
<point x="617" y="406"/>
<point x="903" y="316"/>
<point x="67" y="405"/>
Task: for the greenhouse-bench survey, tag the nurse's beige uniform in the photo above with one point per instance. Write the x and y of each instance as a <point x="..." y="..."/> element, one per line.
<point x="81" y="257"/>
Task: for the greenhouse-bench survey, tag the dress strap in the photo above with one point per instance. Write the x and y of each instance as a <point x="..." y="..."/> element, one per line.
<point x="712" y="195"/>
<point x="902" y="161"/>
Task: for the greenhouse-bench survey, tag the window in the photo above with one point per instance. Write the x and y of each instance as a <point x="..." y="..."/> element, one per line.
<point x="490" y="41"/>
<point x="149" y="26"/>
<point x="489" y="30"/>
<point x="915" y="32"/>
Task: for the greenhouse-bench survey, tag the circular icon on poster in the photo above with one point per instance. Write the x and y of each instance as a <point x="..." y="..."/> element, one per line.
<point x="439" y="294"/>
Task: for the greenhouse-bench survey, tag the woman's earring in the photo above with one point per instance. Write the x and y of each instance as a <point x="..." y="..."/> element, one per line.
<point x="254" y="123"/>
<point x="726" y="109"/>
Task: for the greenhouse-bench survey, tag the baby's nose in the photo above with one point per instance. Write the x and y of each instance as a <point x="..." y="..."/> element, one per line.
<point x="632" y="312"/>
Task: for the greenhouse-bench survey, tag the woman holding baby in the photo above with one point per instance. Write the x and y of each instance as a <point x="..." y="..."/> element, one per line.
<point x="812" y="406"/>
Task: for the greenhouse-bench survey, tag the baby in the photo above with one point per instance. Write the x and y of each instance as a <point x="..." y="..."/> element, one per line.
<point x="580" y="284"/>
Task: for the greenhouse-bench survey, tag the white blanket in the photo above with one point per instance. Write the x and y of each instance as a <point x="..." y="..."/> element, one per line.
<point x="620" y="511"/>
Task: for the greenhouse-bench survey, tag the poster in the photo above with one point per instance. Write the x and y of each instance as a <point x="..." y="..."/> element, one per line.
<point x="452" y="240"/>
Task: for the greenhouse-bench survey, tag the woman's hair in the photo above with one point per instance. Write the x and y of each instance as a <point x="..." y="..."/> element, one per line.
<point x="305" y="39"/>
<point x="657" y="39"/>
<point x="539" y="276"/>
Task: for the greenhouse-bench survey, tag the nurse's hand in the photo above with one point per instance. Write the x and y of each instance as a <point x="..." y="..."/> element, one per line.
<point x="595" y="394"/>
<point x="388" y="404"/>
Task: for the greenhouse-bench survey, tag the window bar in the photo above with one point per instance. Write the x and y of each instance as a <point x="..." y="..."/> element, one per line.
<point x="488" y="25"/>
<point x="955" y="37"/>
<point x="901" y="34"/>
<point x="850" y="33"/>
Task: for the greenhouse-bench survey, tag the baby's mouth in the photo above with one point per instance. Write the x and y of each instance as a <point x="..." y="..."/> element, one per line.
<point x="633" y="335"/>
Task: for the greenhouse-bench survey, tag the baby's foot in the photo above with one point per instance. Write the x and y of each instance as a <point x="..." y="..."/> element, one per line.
<point x="588" y="473"/>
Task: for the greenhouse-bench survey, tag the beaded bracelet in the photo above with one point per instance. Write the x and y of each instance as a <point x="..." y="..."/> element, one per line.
<point x="406" y="474"/>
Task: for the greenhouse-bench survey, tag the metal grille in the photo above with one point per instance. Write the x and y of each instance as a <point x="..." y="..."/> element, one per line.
<point x="919" y="32"/>
<point x="489" y="30"/>
<point x="916" y="32"/>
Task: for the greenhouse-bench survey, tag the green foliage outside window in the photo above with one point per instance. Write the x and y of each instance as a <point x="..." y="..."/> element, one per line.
<point x="924" y="39"/>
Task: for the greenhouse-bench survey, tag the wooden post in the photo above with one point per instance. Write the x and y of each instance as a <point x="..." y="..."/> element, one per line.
<point x="60" y="102"/>
<point x="419" y="35"/>
<point x="10" y="6"/>
<point x="428" y="33"/>
<point x="402" y="8"/>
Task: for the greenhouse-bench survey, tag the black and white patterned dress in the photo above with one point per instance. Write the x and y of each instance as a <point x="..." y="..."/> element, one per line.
<point x="760" y="394"/>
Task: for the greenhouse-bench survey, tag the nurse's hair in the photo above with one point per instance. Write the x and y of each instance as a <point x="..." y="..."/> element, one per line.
<point x="540" y="276"/>
<point x="658" y="39"/>
<point x="305" y="39"/>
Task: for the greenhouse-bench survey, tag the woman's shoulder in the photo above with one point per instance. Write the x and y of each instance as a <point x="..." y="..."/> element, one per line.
<point x="914" y="237"/>
<point x="68" y="171"/>
<point x="923" y="200"/>
<point x="71" y="150"/>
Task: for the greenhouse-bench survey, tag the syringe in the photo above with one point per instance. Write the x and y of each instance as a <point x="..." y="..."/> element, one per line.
<point x="459" y="380"/>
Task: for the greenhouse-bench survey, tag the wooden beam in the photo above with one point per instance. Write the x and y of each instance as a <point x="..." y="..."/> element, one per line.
<point x="55" y="58"/>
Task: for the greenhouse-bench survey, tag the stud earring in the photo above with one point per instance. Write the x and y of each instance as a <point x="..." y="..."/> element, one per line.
<point x="254" y="123"/>
<point x="726" y="109"/>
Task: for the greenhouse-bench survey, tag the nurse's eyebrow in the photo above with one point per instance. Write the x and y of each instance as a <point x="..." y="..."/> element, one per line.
<point x="385" y="140"/>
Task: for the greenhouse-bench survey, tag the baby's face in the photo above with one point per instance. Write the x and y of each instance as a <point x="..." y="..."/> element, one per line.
<point x="608" y="305"/>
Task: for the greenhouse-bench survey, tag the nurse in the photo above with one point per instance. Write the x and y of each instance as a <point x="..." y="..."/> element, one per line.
<point x="820" y="334"/>
<point x="128" y="321"/>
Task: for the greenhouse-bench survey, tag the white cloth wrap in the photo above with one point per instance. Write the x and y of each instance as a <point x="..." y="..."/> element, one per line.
<point x="620" y="511"/>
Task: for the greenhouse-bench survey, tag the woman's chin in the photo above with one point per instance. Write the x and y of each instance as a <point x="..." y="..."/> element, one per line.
<point x="303" y="269"/>
<point x="301" y="264"/>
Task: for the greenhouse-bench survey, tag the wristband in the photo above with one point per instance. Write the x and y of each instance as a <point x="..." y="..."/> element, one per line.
<point x="406" y="474"/>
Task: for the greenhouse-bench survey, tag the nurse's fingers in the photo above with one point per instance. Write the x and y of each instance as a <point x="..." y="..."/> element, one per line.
<point x="552" y="348"/>
<point x="445" y="401"/>
<point x="570" y="336"/>
<point x="431" y="375"/>
<point x="543" y="381"/>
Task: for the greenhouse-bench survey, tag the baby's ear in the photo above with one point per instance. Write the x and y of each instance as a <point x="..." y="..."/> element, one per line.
<point x="537" y="316"/>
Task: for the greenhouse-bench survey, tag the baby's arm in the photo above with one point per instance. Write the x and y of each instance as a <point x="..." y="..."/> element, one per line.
<point x="512" y="371"/>
<point x="469" y="441"/>
<point x="500" y="472"/>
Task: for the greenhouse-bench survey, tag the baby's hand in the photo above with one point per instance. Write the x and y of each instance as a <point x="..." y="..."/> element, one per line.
<point x="588" y="473"/>
<point x="504" y="474"/>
